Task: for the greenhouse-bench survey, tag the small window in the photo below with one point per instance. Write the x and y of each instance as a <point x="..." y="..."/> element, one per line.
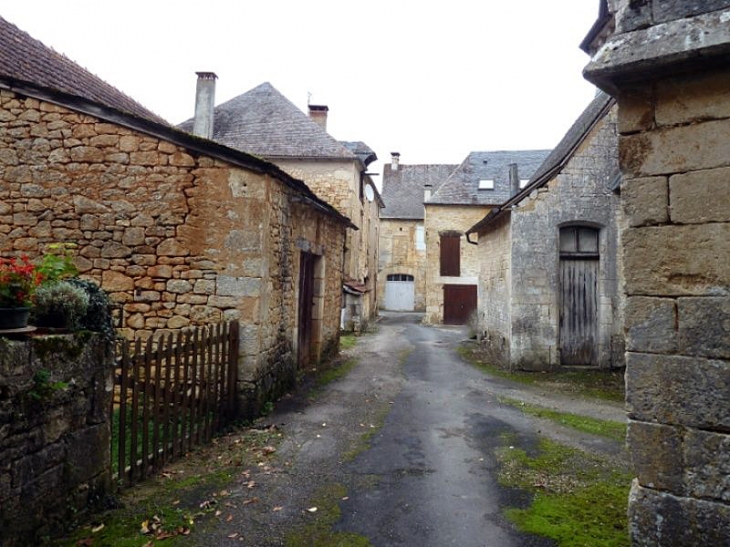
<point x="579" y="241"/>
<point x="523" y="183"/>
<point x="400" y="277"/>
<point x="420" y="238"/>
<point x="486" y="184"/>
<point x="450" y="255"/>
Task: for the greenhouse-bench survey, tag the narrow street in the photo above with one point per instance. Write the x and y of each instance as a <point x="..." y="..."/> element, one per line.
<point x="403" y="445"/>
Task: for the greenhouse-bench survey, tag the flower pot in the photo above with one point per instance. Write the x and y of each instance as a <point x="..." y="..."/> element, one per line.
<point x="14" y="318"/>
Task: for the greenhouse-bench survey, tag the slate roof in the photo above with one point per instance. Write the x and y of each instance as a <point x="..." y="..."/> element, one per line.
<point x="25" y="59"/>
<point x="364" y="153"/>
<point x="264" y="122"/>
<point x="560" y="155"/>
<point x="403" y="189"/>
<point x="462" y="187"/>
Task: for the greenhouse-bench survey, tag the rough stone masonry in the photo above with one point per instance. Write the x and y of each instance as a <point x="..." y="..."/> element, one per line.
<point x="668" y="66"/>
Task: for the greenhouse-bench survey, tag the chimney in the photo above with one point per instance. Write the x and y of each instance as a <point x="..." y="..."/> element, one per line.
<point x="514" y="179"/>
<point x="318" y="114"/>
<point x="426" y="192"/>
<point x="204" y="104"/>
<point x="394" y="160"/>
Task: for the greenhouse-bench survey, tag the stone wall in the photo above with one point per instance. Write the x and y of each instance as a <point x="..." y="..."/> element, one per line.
<point x="399" y="255"/>
<point x="55" y="396"/>
<point x="445" y="218"/>
<point x="338" y="183"/>
<point x="175" y="237"/>
<point x="495" y="288"/>
<point x="580" y="194"/>
<point x="674" y="124"/>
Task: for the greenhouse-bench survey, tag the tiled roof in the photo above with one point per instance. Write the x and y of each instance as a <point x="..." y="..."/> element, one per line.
<point x="403" y="189"/>
<point x="462" y="187"/>
<point x="264" y="122"/>
<point x="25" y="59"/>
<point x="561" y="154"/>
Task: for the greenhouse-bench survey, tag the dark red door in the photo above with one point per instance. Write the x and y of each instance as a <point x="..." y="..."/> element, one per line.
<point x="460" y="301"/>
<point x="306" y="302"/>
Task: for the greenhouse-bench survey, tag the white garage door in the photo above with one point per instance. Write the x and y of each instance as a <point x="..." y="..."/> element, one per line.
<point x="399" y="292"/>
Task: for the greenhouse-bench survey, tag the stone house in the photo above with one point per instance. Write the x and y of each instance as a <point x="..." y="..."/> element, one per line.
<point x="179" y="230"/>
<point x="549" y="290"/>
<point x="265" y="123"/>
<point x="483" y="181"/>
<point x="402" y="268"/>
<point x="668" y="65"/>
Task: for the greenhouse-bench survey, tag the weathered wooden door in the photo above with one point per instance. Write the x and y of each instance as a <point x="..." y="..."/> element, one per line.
<point x="306" y="303"/>
<point x="460" y="301"/>
<point x="578" y="326"/>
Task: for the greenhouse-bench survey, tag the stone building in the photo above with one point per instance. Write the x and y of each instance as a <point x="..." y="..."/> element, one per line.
<point x="179" y="230"/>
<point x="549" y="290"/>
<point x="402" y="271"/>
<point x="668" y="65"/>
<point x="265" y="123"/>
<point x="481" y="182"/>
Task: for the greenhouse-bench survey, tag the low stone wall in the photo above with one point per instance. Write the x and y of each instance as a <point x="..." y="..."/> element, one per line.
<point x="55" y="396"/>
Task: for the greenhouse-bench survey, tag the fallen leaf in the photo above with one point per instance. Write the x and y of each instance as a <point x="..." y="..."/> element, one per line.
<point x="165" y="535"/>
<point x="346" y="498"/>
<point x="183" y="530"/>
<point x="145" y="528"/>
<point x="251" y="484"/>
<point x="278" y="508"/>
<point x="250" y="501"/>
<point x="176" y="502"/>
<point x="233" y="536"/>
<point x="149" y="544"/>
<point x="96" y="529"/>
<point x="268" y="450"/>
<point x="218" y="513"/>
<point x="229" y="518"/>
<point x="312" y="509"/>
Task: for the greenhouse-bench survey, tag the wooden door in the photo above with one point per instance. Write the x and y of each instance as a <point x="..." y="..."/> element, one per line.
<point x="306" y="304"/>
<point x="460" y="301"/>
<point x="578" y="322"/>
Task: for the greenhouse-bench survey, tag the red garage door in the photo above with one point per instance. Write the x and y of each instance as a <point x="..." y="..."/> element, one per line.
<point x="460" y="301"/>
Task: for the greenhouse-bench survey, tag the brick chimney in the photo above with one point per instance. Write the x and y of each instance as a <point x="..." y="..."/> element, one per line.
<point x="514" y="179"/>
<point x="394" y="160"/>
<point x="204" y="104"/>
<point x="318" y="114"/>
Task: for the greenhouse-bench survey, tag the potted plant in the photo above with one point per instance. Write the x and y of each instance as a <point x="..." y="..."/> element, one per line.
<point x="19" y="279"/>
<point x="60" y="305"/>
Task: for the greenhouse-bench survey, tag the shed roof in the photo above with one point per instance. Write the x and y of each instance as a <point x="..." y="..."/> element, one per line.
<point x="560" y="155"/>
<point x="403" y="189"/>
<point x="25" y="59"/>
<point x="264" y="122"/>
<point x="462" y="187"/>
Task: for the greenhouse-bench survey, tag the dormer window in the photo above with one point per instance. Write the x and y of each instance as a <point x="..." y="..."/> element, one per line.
<point x="486" y="184"/>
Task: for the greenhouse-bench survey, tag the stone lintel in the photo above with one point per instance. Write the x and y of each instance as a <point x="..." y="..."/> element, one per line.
<point x="667" y="48"/>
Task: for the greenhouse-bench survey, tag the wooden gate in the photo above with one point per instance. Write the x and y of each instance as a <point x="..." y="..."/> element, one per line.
<point x="578" y="325"/>
<point x="306" y="302"/>
<point x="171" y="393"/>
<point x="460" y="301"/>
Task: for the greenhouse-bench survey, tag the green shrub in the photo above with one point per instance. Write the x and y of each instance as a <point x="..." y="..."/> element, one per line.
<point x="60" y="305"/>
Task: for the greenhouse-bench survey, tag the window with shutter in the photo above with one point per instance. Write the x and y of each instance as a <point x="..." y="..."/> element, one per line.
<point x="450" y="255"/>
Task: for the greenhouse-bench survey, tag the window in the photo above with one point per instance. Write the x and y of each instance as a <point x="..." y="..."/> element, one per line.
<point x="579" y="242"/>
<point x="450" y="255"/>
<point x="486" y="184"/>
<point x="400" y="277"/>
<point x="420" y="238"/>
<point x="523" y="183"/>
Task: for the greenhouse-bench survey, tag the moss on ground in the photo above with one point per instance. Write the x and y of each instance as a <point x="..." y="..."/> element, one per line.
<point x="599" y="384"/>
<point x="580" y="500"/>
<point x="184" y="495"/>
<point x="319" y="531"/>
<point x="347" y="341"/>
<point x="604" y="428"/>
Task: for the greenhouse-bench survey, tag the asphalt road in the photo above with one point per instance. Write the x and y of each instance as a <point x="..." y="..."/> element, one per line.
<point x="410" y="434"/>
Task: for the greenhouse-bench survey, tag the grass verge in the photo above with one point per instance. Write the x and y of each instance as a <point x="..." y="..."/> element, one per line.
<point x="182" y="496"/>
<point x="580" y="500"/>
<point x="319" y="531"/>
<point x="347" y="341"/>
<point x="603" y="428"/>
<point x="600" y="384"/>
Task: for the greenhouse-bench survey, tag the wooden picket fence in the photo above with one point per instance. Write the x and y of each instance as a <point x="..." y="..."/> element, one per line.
<point x="171" y="394"/>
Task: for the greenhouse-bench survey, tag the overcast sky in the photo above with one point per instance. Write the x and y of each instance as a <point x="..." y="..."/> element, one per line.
<point x="433" y="80"/>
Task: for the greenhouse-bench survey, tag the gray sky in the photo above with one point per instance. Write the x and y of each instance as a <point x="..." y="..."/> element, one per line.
<point x="432" y="80"/>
